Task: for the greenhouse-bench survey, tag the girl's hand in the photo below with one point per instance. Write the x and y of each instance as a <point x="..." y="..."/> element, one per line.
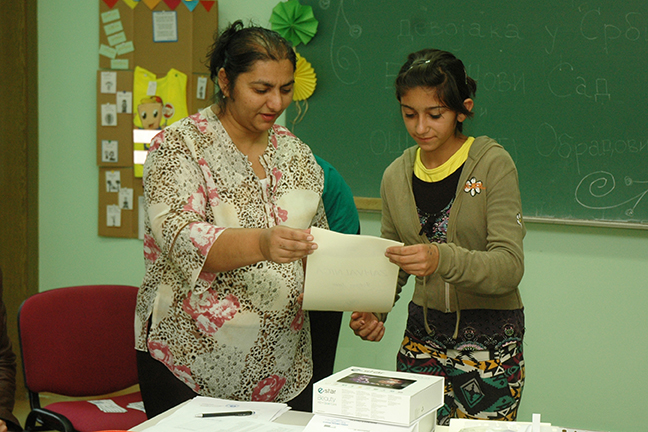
<point x="417" y="260"/>
<point x="367" y="326"/>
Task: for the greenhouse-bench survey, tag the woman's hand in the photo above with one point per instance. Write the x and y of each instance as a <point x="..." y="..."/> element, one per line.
<point x="281" y="244"/>
<point x="367" y="326"/>
<point x="417" y="260"/>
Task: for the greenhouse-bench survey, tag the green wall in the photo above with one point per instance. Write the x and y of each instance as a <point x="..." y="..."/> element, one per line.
<point x="585" y="289"/>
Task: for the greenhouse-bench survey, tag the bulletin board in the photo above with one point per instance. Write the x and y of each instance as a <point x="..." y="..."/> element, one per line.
<point x="561" y="85"/>
<point x="152" y="72"/>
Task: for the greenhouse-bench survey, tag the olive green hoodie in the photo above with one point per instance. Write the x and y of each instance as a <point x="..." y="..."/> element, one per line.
<point x="482" y="262"/>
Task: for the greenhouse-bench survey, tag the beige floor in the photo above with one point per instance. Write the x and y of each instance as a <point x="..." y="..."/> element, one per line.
<point x="21" y="408"/>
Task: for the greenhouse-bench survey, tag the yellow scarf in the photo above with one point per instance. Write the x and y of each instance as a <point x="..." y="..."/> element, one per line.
<point x="444" y="170"/>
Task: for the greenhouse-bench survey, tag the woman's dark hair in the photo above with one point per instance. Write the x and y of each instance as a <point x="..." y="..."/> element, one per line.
<point x="439" y="70"/>
<point x="239" y="47"/>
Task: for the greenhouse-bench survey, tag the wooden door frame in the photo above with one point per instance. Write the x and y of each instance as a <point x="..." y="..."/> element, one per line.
<point x="18" y="162"/>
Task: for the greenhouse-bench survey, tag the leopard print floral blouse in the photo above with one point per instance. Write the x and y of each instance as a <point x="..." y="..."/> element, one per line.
<point x="238" y="334"/>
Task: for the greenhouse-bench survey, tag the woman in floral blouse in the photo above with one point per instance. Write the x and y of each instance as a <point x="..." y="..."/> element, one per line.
<point x="230" y="198"/>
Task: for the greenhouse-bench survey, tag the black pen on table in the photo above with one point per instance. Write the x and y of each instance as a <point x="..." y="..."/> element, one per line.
<point x="225" y="414"/>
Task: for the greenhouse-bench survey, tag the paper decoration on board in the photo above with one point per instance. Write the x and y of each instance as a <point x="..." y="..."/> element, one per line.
<point x="121" y="64"/>
<point x="151" y="3"/>
<point x="165" y="26"/>
<point x="109" y="114"/>
<point x="113" y="27"/>
<point x="172" y="3"/>
<point x="110" y="3"/>
<point x="110" y="16"/>
<point x="159" y="101"/>
<point x="109" y="151"/>
<point x="294" y="22"/>
<point x="207" y="4"/>
<point x="117" y="39"/>
<point x="107" y="51"/>
<point x="131" y="3"/>
<point x="191" y="4"/>
<point x="125" y="102"/>
<point x="113" y="181"/>
<point x="125" y="47"/>
<point x="201" y="88"/>
<point x="305" y="79"/>
<point x="125" y="198"/>
<point x="109" y="82"/>
<point x="113" y="215"/>
<point x="305" y="83"/>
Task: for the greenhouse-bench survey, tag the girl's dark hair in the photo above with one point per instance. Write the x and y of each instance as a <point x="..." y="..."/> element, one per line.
<point x="239" y="47"/>
<point x="439" y="70"/>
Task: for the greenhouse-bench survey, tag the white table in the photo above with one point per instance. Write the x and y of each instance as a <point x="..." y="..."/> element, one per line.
<point x="298" y="418"/>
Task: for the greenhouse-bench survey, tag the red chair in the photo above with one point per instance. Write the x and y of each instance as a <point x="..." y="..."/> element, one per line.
<point x="79" y="342"/>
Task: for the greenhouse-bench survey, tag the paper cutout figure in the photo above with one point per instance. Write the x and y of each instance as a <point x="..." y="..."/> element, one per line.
<point x="171" y="89"/>
<point x="150" y="111"/>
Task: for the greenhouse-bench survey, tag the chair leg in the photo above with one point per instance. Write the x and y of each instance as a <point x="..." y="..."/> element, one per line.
<point x="40" y="419"/>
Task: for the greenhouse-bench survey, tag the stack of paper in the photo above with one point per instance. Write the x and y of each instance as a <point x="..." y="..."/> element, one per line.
<point x="188" y="417"/>
<point x="321" y="423"/>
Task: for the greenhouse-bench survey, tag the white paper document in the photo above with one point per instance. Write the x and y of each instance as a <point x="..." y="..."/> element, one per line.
<point x="349" y="273"/>
<point x="320" y="423"/>
<point x="184" y="419"/>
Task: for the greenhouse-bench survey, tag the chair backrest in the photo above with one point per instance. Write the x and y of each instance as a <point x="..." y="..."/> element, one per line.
<point x="79" y="341"/>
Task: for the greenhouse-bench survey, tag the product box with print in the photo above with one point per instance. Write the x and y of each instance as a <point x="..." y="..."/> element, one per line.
<point x="389" y="397"/>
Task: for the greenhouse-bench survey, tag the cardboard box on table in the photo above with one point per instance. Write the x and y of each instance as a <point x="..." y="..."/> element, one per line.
<point x="195" y="30"/>
<point x="374" y="395"/>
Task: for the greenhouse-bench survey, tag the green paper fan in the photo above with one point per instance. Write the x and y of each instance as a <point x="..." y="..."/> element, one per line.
<point x="294" y="22"/>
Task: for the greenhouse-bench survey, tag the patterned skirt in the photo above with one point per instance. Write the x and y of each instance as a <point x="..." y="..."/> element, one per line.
<point x="483" y="366"/>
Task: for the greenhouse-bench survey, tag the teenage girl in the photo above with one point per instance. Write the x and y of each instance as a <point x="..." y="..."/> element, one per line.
<point x="454" y="201"/>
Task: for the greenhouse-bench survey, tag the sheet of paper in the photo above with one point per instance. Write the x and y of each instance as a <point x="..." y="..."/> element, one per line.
<point x="320" y="423"/>
<point x="184" y="419"/>
<point x="349" y="273"/>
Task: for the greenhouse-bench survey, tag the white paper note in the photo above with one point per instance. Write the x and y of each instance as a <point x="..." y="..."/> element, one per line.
<point x="349" y="273"/>
<point x="321" y="423"/>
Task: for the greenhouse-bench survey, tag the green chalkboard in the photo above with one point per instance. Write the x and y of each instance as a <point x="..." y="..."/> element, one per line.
<point x="561" y="84"/>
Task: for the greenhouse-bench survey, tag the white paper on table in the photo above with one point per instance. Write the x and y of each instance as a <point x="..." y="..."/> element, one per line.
<point x="320" y="423"/>
<point x="458" y="425"/>
<point x="184" y="419"/>
<point x="349" y="273"/>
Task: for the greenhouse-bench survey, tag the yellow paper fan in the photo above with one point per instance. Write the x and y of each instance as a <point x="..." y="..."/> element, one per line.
<point x="305" y="79"/>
